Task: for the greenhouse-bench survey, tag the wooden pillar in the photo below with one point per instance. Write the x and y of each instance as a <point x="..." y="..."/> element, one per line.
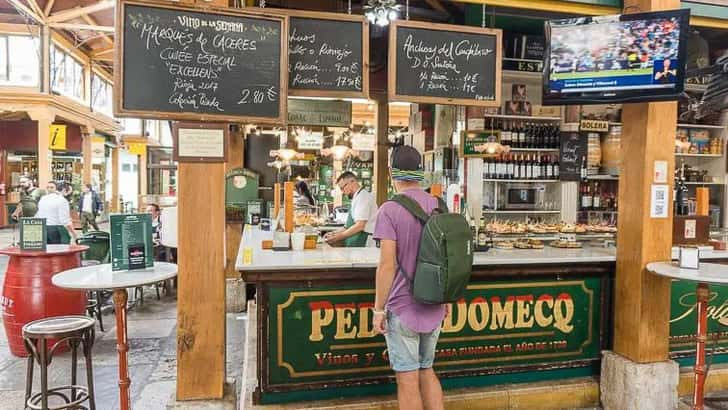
<point x="44" y="119"/>
<point x="201" y="277"/>
<point x="642" y="300"/>
<point x="142" y="167"/>
<point x="233" y="231"/>
<point x="87" y="151"/>
<point x="288" y="206"/>
<point x="115" y="170"/>
<point x="381" y="162"/>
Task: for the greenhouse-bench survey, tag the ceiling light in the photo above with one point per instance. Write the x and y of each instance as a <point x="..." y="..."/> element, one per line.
<point x="381" y="12"/>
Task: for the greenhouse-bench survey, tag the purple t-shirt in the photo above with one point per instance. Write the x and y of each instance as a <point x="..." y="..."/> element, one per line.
<point x="396" y="223"/>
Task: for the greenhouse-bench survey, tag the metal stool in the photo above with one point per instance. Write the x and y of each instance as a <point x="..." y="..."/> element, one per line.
<point x="71" y="330"/>
<point x="94" y="298"/>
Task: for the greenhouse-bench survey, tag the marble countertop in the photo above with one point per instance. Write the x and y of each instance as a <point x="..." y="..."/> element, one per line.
<point x="325" y="256"/>
<point x="706" y="273"/>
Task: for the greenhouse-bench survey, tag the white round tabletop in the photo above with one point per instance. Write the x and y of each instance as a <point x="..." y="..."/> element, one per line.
<point x="102" y="277"/>
<point x="707" y="273"/>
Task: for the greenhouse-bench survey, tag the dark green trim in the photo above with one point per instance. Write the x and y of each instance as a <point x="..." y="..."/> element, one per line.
<point x="705" y="10"/>
<point x="447" y="384"/>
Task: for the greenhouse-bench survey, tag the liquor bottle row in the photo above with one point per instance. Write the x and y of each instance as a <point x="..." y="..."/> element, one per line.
<point x="521" y="166"/>
<point x="593" y="197"/>
<point x="525" y="134"/>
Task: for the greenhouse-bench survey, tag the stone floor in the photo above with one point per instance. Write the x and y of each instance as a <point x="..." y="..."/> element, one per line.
<point x="152" y="356"/>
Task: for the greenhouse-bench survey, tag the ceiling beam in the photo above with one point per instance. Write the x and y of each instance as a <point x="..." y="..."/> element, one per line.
<point x="34" y="6"/>
<point x="102" y="51"/>
<point x="70" y="14"/>
<point x="90" y="20"/>
<point x="25" y="10"/>
<point x="88" y="27"/>
<point x="48" y="7"/>
<point x="436" y="5"/>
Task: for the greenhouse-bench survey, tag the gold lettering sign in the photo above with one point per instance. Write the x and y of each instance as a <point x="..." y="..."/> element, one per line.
<point x="594" y="125"/>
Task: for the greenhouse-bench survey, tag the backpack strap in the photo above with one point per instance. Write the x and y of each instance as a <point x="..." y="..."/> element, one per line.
<point x="412" y="207"/>
<point x="442" y="205"/>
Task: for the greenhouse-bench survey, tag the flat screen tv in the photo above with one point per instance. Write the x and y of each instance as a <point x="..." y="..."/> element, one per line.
<point x="615" y="59"/>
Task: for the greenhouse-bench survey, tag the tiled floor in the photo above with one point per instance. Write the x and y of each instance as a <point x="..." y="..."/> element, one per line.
<point x="152" y="355"/>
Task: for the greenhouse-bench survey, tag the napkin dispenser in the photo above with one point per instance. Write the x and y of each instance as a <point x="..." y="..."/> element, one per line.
<point x="281" y="241"/>
<point x="689" y="257"/>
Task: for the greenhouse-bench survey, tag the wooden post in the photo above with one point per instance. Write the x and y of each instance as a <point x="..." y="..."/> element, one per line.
<point x="276" y="200"/>
<point x="115" y="180"/>
<point x="642" y="300"/>
<point x="288" y="205"/>
<point x="87" y="151"/>
<point x="201" y="293"/>
<point x="44" y="118"/>
<point x="233" y="231"/>
<point x="381" y="162"/>
<point x="142" y="167"/>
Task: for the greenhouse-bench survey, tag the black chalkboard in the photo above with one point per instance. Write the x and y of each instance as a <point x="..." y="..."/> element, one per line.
<point x="572" y="154"/>
<point x="327" y="54"/>
<point x="183" y="63"/>
<point x="445" y="64"/>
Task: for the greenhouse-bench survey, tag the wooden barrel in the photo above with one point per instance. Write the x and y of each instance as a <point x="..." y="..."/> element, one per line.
<point x="594" y="151"/>
<point x="610" y="151"/>
<point x="28" y="293"/>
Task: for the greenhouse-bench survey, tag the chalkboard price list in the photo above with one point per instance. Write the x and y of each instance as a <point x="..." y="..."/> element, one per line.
<point x="182" y="61"/>
<point x="325" y="55"/>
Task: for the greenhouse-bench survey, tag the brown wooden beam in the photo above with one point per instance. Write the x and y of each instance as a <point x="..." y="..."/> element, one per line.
<point x="90" y="20"/>
<point x="34" y="6"/>
<point x="70" y="14"/>
<point x="48" y="7"/>
<point x="30" y="13"/>
<point x="87" y="27"/>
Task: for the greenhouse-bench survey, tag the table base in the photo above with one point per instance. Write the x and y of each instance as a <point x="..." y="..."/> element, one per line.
<point x="702" y="294"/>
<point x="122" y="346"/>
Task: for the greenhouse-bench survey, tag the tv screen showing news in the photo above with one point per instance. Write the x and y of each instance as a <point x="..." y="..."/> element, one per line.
<point x="615" y="59"/>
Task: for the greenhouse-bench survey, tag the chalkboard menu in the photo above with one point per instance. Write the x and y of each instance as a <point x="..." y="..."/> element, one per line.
<point x="328" y="54"/>
<point x="572" y="155"/>
<point x="444" y="64"/>
<point x="180" y="62"/>
<point x="33" y="234"/>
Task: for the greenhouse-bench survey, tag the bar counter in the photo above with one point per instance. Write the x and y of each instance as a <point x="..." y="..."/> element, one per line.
<point x="528" y="315"/>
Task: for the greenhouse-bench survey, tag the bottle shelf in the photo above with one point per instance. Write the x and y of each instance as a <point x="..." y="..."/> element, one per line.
<point x="534" y="149"/>
<point x="520" y="211"/>
<point x="677" y="154"/>
<point x="701" y="126"/>
<point x="521" y="180"/>
<point x="602" y="177"/>
<point x="521" y="117"/>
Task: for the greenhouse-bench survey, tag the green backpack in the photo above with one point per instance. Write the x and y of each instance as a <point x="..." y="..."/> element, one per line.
<point x="445" y="256"/>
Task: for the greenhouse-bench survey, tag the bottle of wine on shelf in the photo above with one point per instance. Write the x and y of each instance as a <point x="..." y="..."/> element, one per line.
<point x="597" y="198"/>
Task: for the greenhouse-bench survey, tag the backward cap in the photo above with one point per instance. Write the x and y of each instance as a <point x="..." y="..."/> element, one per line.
<point x="406" y="158"/>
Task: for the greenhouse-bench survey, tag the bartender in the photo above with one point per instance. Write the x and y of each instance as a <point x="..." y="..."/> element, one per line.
<point x="359" y="225"/>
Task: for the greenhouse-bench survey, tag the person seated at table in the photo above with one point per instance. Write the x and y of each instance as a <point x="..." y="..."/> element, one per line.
<point x="57" y="212"/>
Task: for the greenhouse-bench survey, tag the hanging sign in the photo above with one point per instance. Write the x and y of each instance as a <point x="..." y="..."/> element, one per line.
<point x="328" y="54"/>
<point x="364" y="142"/>
<point x="136" y="148"/>
<point x="444" y="64"/>
<point x="322" y="113"/>
<point x="310" y="140"/>
<point x="58" y="137"/>
<point x="183" y="62"/>
<point x="594" y="126"/>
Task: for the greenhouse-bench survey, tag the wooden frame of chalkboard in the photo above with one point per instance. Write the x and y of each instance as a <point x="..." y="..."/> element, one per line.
<point x="120" y="111"/>
<point x="315" y="15"/>
<point x="177" y="126"/>
<point x="392" y="61"/>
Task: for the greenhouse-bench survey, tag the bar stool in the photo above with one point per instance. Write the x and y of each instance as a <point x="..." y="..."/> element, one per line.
<point x="70" y="330"/>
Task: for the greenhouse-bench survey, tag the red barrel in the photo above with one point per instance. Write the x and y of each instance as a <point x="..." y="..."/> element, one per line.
<point x="28" y="293"/>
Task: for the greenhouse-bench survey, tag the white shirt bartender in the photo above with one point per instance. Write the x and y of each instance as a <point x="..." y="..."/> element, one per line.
<point x="56" y="211"/>
<point x="362" y="214"/>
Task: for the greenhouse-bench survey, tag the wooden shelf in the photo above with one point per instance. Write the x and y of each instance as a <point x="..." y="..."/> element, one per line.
<point x="698" y="155"/>
<point x="522" y="117"/>
<point x="701" y="126"/>
<point x="696" y="88"/>
<point x="522" y="180"/>
<point x="702" y="183"/>
<point x="503" y="211"/>
<point x="535" y="149"/>
<point x="603" y="177"/>
<point x="521" y="75"/>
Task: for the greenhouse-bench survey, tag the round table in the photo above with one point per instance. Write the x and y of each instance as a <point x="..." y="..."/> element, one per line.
<point x="28" y="294"/>
<point x="101" y="277"/>
<point x="706" y="274"/>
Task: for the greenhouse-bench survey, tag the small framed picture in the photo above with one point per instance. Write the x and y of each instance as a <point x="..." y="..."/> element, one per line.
<point x="518" y="92"/>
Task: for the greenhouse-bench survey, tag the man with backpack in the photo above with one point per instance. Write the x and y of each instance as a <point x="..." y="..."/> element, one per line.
<point x="409" y="304"/>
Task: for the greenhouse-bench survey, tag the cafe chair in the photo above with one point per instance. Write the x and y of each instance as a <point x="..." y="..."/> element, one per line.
<point x="71" y="331"/>
<point x="99" y="246"/>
